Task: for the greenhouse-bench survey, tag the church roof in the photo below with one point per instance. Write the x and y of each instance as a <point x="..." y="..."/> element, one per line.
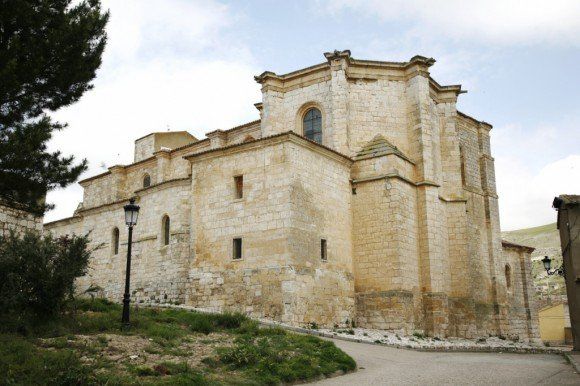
<point x="509" y="244"/>
<point x="377" y="147"/>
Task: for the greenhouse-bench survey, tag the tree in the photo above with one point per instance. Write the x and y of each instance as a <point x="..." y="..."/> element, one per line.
<point x="49" y="53"/>
<point x="37" y="273"/>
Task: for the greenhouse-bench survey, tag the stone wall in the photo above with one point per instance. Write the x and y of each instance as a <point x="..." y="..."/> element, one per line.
<point x="159" y="272"/>
<point x="280" y="275"/>
<point x="516" y="299"/>
<point x="17" y="220"/>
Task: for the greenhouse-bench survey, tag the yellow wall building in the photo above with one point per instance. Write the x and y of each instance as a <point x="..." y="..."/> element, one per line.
<point x="554" y="320"/>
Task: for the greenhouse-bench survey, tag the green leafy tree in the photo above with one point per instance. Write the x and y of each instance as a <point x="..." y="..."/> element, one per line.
<point x="49" y="53"/>
<point x="37" y="273"/>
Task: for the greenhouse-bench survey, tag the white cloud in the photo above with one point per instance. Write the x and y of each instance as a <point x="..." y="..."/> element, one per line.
<point x="534" y="164"/>
<point x="525" y="197"/>
<point x="492" y="21"/>
<point x="168" y="64"/>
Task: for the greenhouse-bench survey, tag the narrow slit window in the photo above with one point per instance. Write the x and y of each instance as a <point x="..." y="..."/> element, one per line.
<point x="239" y="186"/>
<point x="462" y="164"/>
<point x="237" y="251"/>
<point x="115" y="241"/>
<point x="508" y="276"/>
<point x="166" y="228"/>
<point x="323" y="250"/>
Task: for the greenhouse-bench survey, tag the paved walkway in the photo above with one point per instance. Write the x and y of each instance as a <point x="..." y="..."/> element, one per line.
<point x="380" y="365"/>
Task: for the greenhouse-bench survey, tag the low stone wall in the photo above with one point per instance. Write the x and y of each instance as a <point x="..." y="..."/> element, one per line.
<point x="17" y="220"/>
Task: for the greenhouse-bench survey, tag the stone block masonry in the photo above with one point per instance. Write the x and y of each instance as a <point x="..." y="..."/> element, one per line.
<point x="388" y="218"/>
<point x="14" y="219"/>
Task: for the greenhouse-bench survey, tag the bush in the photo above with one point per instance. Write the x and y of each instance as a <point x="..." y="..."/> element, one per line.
<point x="37" y="273"/>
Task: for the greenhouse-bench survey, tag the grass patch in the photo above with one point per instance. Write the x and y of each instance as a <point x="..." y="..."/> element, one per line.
<point x="274" y="357"/>
<point x="163" y="346"/>
<point x="23" y="363"/>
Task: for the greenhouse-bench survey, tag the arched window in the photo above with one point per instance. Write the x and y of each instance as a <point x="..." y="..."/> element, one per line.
<point x="166" y="224"/>
<point x="508" y="275"/>
<point x="115" y="241"/>
<point x="146" y="181"/>
<point x="312" y="125"/>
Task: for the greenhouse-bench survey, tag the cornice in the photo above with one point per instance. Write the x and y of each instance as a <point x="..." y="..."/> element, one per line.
<point x="185" y="181"/>
<point x="278" y="79"/>
<point x="96" y="208"/>
<point x="81" y="182"/>
<point x="482" y="124"/>
<point x="358" y="69"/>
<point x="268" y="141"/>
<point x="444" y="94"/>
<point x="67" y="220"/>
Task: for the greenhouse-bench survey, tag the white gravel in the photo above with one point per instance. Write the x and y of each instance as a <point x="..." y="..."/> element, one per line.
<point x="417" y="341"/>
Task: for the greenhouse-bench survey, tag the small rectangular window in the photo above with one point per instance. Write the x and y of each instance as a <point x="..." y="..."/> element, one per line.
<point x="239" y="184"/>
<point x="323" y="250"/>
<point x="237" y="252"/>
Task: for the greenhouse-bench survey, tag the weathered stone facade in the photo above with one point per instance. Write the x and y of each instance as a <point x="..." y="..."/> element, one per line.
<point x="391" y="222"/>
<point x="17" y="220"/>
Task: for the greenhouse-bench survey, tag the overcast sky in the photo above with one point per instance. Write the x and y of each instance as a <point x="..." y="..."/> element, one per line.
<point x="189" y="65"/>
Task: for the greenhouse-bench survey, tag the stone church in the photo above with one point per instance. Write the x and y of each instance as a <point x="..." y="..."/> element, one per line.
<point x="361" y="196"/>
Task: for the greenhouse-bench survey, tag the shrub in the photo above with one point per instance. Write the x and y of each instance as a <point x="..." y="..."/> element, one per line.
<point x="418" y="335"/>
<point x="37" y="273"/>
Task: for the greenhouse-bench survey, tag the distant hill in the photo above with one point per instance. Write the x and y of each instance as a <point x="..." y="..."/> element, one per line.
<point x="546" y="240"/>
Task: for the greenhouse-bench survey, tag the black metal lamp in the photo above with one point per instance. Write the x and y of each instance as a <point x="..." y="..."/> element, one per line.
<point x="548" y="265"/>
<point x="131" y="215"/>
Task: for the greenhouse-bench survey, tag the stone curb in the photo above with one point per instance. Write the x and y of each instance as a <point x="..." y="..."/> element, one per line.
<point x="302" y="330"/>
<point x="573" y="361"/>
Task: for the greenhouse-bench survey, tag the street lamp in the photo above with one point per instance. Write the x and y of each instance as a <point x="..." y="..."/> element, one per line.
<point x="131" y="214"/>
<point x="548" y="264"/>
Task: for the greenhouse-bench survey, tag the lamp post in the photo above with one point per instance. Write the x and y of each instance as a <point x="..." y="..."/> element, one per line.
<point x="131" y="214"/>
<point x="548" y="264"/>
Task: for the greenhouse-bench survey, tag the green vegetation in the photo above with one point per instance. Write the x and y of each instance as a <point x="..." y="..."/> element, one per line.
<point x="37" y="275"/>
<point x="418" y="335"/>
<point x="535" y="231"/>
<point x="86" y="345"/>
<point x="50" y="51"/>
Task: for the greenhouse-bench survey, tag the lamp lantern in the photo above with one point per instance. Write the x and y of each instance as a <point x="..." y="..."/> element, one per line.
<point x="547" y="263"/>
<point x="131" y="213"/>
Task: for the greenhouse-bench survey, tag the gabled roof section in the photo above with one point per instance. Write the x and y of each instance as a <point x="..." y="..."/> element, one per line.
<point x="509" y="244"/>
<point x="165" y="133"/>
<point x="377" y="147"/>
